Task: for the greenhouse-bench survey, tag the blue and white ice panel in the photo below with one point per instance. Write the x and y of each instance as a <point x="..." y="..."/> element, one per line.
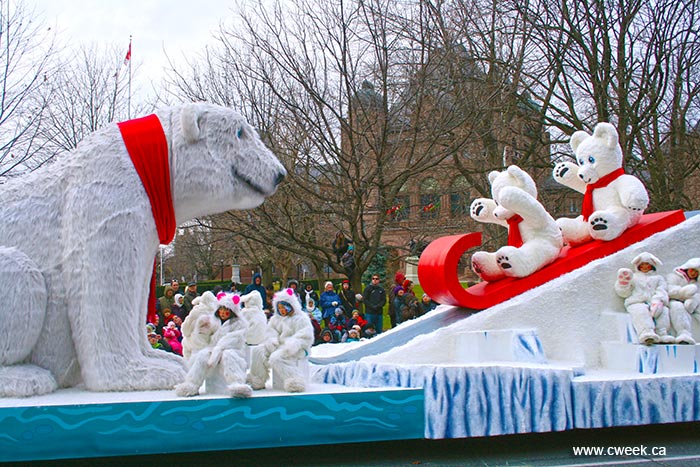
<point x="466" y="401"/>
<point x="473" y="400"/>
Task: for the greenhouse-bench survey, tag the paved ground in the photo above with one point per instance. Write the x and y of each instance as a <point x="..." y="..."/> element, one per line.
<point x="680" y="441"/>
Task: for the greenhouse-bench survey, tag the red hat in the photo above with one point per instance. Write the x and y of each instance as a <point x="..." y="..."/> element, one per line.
<point x="346" y="281"/>
<point x="406" y="283"/>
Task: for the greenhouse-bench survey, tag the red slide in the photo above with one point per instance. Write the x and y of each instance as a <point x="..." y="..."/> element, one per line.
<point x="437" y="267"/>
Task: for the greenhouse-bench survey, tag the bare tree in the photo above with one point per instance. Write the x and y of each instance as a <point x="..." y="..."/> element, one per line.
<point x="633" y="63"/>
<point x="89" y="91"/>
<point x="26" y="53"/>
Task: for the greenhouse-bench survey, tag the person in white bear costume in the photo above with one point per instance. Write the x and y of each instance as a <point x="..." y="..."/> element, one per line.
<point x="255" y="315"/>
<point x="288" y="340"/>
<point x="646" y="299"/>
<point x="199" y="325"/>
<point x="613" y="201"/>
<point x="684" y="299"/>
<point x="534" y="239"/>
<point x="86" y="220"/>
<point x="225" y="354"/>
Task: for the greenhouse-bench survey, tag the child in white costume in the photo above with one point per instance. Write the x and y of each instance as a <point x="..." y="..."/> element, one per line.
<point x="646" y="299"/>
<point x="256" y="317"/>
<point x="225" y="353"/>
<point x="288" y="340"/>
<point x="685" y="299"/>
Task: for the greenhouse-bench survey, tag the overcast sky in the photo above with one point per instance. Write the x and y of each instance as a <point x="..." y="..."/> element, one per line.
<point x="178" y="26"/>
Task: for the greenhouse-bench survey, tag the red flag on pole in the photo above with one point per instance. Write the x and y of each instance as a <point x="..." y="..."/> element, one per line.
<point x="127" y="58"/>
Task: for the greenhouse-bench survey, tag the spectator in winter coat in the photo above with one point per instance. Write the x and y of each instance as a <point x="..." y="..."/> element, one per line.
<point x="374" y="298"/>
<point x="257" y="285"/>
<point x="328" y="302"/>
<point x="309" y="292"/>
<point x="167" y="300"/>
<point x="399" y="278"/>
<point x="347" y="298"/>
<point x="190" y="294"/>
<point x="339" y="246"/>
<point x="338" y="324"/>
<point x="348" y="261"/>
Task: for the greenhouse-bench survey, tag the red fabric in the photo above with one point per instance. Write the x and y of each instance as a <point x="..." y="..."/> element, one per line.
<point x="514" y="237"/>
<point x="587" y="207"/>
<point x="148" y="148"/>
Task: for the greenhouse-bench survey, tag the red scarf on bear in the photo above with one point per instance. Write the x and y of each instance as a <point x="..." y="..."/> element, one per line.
<point x="514" y="237"/>
<point x="587" y="207"/>
<point x="145" y="141"/>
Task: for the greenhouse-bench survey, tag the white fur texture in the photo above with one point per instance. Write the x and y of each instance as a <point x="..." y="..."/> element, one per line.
<point x="225" y="354"/>
<point x="288" y="340"/>
<point x="254" y="314"/>
<point x="646" y="300"/>
<point x="514" y="193"/>
<point x="85" y="221"/>
<point x="684" y="301"/>
<point x="616" y="207"/>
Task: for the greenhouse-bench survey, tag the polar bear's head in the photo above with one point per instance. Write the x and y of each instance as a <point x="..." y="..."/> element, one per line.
<point x="598" y="154"/>
<point x="218" y="162"/>
<point x="513" y="176"/>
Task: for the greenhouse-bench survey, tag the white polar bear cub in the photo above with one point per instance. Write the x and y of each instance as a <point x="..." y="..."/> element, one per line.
<point x="534" y="239"/>
<point x="85" y="222"/>
<point x="613" y="201"/>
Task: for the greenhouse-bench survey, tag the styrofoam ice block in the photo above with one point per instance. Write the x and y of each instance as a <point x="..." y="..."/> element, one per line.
<point x="508" y="345"/>
<point x="619" y="326"/>
<point x="654" y="359"/>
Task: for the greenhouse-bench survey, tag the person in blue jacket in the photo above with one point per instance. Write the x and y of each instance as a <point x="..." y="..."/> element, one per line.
<point x="328" y="302"/>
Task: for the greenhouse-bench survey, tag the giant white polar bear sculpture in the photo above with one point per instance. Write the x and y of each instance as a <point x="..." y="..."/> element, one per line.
<point x="77" y="244"/>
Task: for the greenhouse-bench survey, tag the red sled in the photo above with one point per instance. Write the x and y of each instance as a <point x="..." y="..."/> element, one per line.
<point x="437" y="267"/>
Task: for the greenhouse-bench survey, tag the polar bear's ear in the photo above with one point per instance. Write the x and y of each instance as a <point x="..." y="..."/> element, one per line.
<point x="191" y="120"/>
<point x="492" y="175"/>
<point x="577" y="138"/>
<point x="607" y="133"/>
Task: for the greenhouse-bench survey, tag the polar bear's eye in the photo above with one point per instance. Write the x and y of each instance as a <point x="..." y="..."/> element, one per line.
<point x="591" y="159"/>
<point x="239" y="133"/>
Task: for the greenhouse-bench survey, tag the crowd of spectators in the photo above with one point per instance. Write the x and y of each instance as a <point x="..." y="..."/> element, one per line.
<point x="337" y="314"/>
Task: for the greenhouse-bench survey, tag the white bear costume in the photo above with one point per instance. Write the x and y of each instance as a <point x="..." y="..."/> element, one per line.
<point x="613" y="200"/>
<point x="288" y="340"/>
<point x="538" y="239"/>
<point x="86" y="220"/>
<point x="684" y="300"/>
<point x="255" y="315"/>
<point x="225" y="354"/>
<point x="646" y="300"/>
<point x="199" y="325"/>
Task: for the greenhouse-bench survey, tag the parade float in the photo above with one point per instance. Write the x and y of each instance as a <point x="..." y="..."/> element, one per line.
<point x="550" y="350"/>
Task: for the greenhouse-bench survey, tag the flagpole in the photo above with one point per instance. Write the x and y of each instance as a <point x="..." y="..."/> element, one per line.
<point x="128" y="109"/>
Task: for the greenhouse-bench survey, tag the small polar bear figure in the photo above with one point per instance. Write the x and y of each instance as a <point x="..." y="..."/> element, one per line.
<point x="87" y="219"/>
<point x="534" y="239"/>
<point x="684" y="299"/>
<point x="288" y="340"/>
<point x="199" y="325"/>
<point x="256" y="317"/>
<point x="613" y="201"/>
<point x="225" y="354"/>
<point x="646" y="299"/>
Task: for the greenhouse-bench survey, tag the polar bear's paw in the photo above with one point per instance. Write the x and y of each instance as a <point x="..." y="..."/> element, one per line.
<point x="256" y="383"/>
<point x="295" y="385"/>
<point x="503" y="261"/>
<point x="186" y="389"/>
<point x="485" y="266"/>
<point x="138" y="374"/>
<point x="25" y="381"/>
<point x="685" y="338"/>
<point x="648" y="337"/>
<point x="240" y="391"/>
<point x="564" y="171"/>
<point x="599" y="223"/>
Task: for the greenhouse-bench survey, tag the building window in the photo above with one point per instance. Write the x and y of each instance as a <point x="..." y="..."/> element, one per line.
<point x="429" y="198"/>
<point x="459" y="197"/>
